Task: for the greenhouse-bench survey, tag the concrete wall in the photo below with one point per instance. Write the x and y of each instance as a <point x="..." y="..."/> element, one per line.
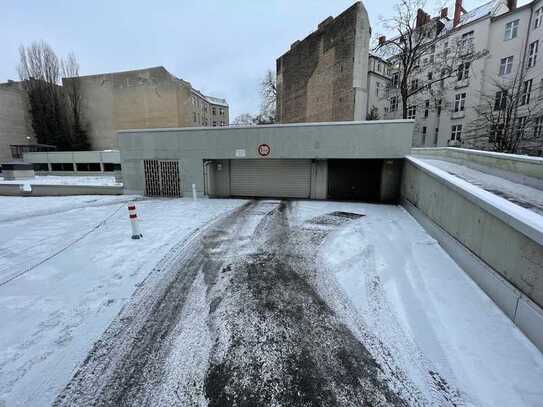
<point x="59" y="190"/>
<point x="15" y="121"/>
<point x="518" y="168"/>
<point x="323" y="78"/>
<point x="112" y="156"/>
<point x="375" y="139"/>
<point x="507" y="250"/>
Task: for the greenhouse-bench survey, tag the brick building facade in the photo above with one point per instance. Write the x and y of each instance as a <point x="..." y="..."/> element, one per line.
<point x="323" y="77"/>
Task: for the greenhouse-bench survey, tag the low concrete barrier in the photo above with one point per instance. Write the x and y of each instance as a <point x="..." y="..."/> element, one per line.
<point x="517" y="168"/>
<point x="497" y="243"/>
<point x="59" y="190"/>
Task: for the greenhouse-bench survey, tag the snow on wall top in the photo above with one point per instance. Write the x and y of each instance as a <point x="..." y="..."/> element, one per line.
<point x="523" y="220"/>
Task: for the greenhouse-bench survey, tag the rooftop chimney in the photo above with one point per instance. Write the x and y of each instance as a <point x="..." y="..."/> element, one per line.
<point x="421" y="17"/>
<point x="457" y="12"/>
<point x="444" y="12"/>
<point x="512" y="4"/>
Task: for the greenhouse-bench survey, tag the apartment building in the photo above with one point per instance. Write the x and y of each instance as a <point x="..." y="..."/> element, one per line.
<point x="141" y="99"/>
<point x="15" y="123"/>
<point x="507" y="39"/>
<point x="379" y="71"/>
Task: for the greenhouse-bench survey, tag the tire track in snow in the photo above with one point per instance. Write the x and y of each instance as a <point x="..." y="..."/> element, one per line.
<point x="276" y="341"/>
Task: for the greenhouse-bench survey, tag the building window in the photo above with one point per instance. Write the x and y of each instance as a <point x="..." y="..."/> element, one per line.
<point x="511" y="30"/>
<point x="496" y="132"/>
<point x="395" y="79"/>
<point x="214" y="124"/>
<point x="424" y="135"/>
<point x="62" y="166"/>
<point x="430" y="76"/>
<point x="538" y="129"/>
<point x="412" y="112"/>
<point x="463" y="71"/>
<point x="40" y="166"/>
<point x="394" y="103"/>
<point x="213" y="111"/>
<point x="532" y="53"/>
<point x="414" y="84"/>
<point x="500" y="101"/>
<point x="108" y="167"/>
<point x="94" y="167"/>
<point x="520" y="126"/>
<point x="438" y="107"/>
<point x="459" y="102"/>
<point x="436" y="134"/>
<point x="426" y="108"/>
<point x="466" y="43"/>
<point x="456" y="132"/>
<point x="506" y="65"/>
<point x="526" y="91"/>
<point x="538" y="17"/>
<point x="377" y="87"/>
<point x="194" y="117"/>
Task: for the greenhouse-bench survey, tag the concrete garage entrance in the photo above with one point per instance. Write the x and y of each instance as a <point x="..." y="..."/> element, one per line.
<point x="355" y="180"/>
<point x="270" y="178"/>
<point x="344" y="161"/>
<point x="364" y="180"/>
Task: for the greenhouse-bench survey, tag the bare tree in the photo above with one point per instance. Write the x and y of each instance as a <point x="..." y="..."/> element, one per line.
<point x="509" y="119"/>
<point x="244" y="119"/>
<point x="268" y="92"/>
<point x="53" y="122"/>
<point x="373" y="114"/>
<point x="72" y="91"/>
<point x="413" y="51"/>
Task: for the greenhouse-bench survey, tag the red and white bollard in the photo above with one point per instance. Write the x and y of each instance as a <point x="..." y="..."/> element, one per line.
<point x="136" y="234"/>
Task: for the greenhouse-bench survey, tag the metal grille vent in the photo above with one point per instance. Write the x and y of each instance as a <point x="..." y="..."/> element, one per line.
<point x="162" y="178"/>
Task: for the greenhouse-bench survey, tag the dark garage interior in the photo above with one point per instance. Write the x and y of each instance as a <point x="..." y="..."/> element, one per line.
<point x="354" y="180"/>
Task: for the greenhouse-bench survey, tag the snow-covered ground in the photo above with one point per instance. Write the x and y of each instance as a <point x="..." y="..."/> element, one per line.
<point x="425" y="309"/>
<point x="65" y="180"/>
<point x="396" y="289"/>
<point x="51" y="315"/>
<point x="523" y="195"/>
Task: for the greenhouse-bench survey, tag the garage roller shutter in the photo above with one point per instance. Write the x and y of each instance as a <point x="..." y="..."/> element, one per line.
<point x="271" y="178"/>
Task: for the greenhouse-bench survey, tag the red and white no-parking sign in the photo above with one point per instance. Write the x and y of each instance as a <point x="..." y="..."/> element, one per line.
<point x="264" y="150"/>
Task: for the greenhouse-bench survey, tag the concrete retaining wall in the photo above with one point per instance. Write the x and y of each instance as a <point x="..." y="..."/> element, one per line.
<point x="59" y="190"/>
<point x="517" y="168"/>
<point x="500" y="248"/>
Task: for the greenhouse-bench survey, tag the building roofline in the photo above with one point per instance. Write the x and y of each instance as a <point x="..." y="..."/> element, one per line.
<point x="283" y="125"/>
<point x="520" y="8"/>
<point x="357" y="4"/>
<point x="152" y="68"/>
<point x="209" y="99"/>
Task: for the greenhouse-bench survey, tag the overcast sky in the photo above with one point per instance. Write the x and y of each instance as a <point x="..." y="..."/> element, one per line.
<point x="223" y="47"/>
